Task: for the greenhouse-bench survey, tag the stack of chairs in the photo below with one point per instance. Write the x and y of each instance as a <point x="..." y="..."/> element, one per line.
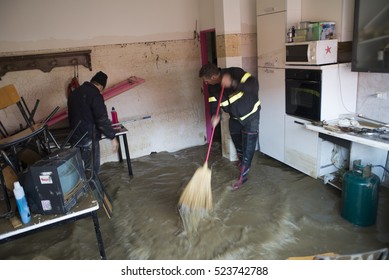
<point x="25" y="145"/>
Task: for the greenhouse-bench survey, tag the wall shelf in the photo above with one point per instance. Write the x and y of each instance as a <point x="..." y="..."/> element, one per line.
<point x="44" y="62"/>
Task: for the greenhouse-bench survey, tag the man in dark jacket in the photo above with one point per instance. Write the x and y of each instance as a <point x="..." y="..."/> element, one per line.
<point x="86" y="104"/>
<point x="240" y="101"/>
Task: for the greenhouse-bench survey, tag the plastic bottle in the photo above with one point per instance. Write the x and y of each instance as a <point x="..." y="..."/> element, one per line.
<point x="114" y="116"/>
<point x="21" y="202"/>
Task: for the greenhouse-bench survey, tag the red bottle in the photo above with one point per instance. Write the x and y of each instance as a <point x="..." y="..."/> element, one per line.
<point x="114" y="116"/>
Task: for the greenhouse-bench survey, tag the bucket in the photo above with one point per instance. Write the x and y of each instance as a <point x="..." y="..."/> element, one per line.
<point x="360" y="195"/>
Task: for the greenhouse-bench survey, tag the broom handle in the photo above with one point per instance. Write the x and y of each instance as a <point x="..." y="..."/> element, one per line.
<point x="213" y="129"/>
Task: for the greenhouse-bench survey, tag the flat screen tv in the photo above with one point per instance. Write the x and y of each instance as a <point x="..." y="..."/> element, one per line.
<point x="53" y="185"/>
<point x="370" y="52"/>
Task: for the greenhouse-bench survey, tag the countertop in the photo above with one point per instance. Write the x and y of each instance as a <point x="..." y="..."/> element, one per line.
<point x="333" y="130"/>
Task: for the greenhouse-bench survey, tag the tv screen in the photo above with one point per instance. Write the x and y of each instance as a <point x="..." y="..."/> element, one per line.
<point x="54" y="184"/>
<point x="69" y="176"/>
<point x="370" y="51"/>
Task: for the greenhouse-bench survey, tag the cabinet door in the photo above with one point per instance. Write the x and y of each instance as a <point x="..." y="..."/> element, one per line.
<point x="271" y="33"/>
<point x="271" y="126"/>
<point x="301" y="146"/>
<point x="270" y="6"/>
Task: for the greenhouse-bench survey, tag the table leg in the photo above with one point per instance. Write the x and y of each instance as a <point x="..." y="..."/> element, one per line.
<point x="98" y="236"/>
<point x="127" y="154"/>
<point x="119" y="149"/>
<point x="5" y="193"/>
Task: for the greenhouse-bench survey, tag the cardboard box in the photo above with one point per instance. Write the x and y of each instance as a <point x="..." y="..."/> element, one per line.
<point x="324" y="30"/>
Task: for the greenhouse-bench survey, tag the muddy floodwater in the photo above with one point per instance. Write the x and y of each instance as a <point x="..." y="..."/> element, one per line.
<point x="279" y="213"/>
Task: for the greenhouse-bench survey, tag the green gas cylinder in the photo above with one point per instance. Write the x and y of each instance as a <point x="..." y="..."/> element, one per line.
<point x="360" y="195"/>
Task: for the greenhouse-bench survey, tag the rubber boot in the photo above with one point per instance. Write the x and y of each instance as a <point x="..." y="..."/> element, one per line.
<point x="249" y="144"/>
<point x="243" y="177"/>
<point x="237" y="140"/>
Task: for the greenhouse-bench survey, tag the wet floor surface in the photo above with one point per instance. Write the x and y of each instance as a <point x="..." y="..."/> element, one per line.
<point x="279" y="213"/>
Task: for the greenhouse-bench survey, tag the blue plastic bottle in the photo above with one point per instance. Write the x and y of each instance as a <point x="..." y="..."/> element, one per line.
<point x="21" y="202"/>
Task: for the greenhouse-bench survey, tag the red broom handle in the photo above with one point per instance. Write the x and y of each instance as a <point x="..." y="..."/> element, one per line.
<point x="213" y="129"/>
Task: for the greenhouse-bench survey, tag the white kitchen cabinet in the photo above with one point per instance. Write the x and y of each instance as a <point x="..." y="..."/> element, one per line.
<point x="271" y="34"/>
<point x="273" y="20"/>
<point x="339" y="11"/>
<point x="271" y="127"/>
<point x="309" y="153"/>
<point x="301" y="146"/>
<point x="270" y="6"/>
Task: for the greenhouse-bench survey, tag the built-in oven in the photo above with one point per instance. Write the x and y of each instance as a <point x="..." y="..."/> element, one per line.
<point x="303" y="93"/>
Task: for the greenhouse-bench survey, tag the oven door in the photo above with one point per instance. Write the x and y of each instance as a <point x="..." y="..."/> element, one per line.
<point x="303" y="93"/>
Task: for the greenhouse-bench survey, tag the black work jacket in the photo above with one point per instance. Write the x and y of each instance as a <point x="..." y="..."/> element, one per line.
<point x="240" y="102"/>
<point x="86" y="103"/>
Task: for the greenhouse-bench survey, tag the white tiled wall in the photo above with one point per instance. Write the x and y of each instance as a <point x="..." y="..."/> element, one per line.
<point x="369" y="105"/>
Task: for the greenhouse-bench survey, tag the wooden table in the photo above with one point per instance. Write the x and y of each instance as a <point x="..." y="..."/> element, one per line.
<point x="86" y="207"/>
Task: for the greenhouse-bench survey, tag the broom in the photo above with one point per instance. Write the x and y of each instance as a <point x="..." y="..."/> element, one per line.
<point x="196" y="199"/>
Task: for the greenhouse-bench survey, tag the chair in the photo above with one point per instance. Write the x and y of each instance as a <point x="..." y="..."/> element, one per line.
<point x="28" y="144"/>
<point x="7" y="177"/>
<point x="31" y="131"/>
<point x="8" y="97"/>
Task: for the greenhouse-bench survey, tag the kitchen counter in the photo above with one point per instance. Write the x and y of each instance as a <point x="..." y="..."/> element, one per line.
<point x="373" y="141"/>
<point x="369" y="142"/>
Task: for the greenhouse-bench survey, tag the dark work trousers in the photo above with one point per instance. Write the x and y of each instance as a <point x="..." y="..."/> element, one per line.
<point x="245" y="136"/>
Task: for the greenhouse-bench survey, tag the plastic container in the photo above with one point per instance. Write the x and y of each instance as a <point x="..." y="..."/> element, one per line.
<point x="301" y="35"/>
<point x="360" y="195"/>
<point x="114" y="116"/>
<point x="21" y="202"/>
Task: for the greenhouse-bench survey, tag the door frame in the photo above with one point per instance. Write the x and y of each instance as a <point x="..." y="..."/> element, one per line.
<point x="204" y="60"/>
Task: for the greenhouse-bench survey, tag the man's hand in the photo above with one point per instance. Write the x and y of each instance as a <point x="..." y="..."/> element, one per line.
<point x="215" y="120"/>
<point x="226" y="80"/>
<point x="115" y="145"/>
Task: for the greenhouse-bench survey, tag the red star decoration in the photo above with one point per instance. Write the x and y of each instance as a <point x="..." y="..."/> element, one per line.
<point x="328" y="49"/>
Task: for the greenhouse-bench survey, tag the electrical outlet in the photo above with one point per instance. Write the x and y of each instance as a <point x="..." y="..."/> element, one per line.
<point x="381" y="95"/>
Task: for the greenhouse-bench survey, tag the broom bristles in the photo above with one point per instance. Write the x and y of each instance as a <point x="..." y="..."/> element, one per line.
<point x="197" y="194"/>
<point x="196" y="199"/>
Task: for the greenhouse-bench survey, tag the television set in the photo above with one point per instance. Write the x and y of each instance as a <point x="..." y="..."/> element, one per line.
<point x="54" y="184"/>
<point x="370" y="48"/>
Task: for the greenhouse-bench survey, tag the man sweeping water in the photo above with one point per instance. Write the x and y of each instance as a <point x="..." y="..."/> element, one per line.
<point x="236" y="91"/>
<point x="240" y="100"/>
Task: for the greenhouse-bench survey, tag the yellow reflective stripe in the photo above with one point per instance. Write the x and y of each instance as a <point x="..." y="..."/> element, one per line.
<point x="212" y="99"/>
<point x="225" y="103"/>
<point x="245" y="77"/>
<point x="232" y="99"/>
<point x="236" y="97"/>
<point x="252" y="111"/>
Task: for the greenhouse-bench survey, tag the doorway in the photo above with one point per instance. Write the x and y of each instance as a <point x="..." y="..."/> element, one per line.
<point x="208" y="54"/>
